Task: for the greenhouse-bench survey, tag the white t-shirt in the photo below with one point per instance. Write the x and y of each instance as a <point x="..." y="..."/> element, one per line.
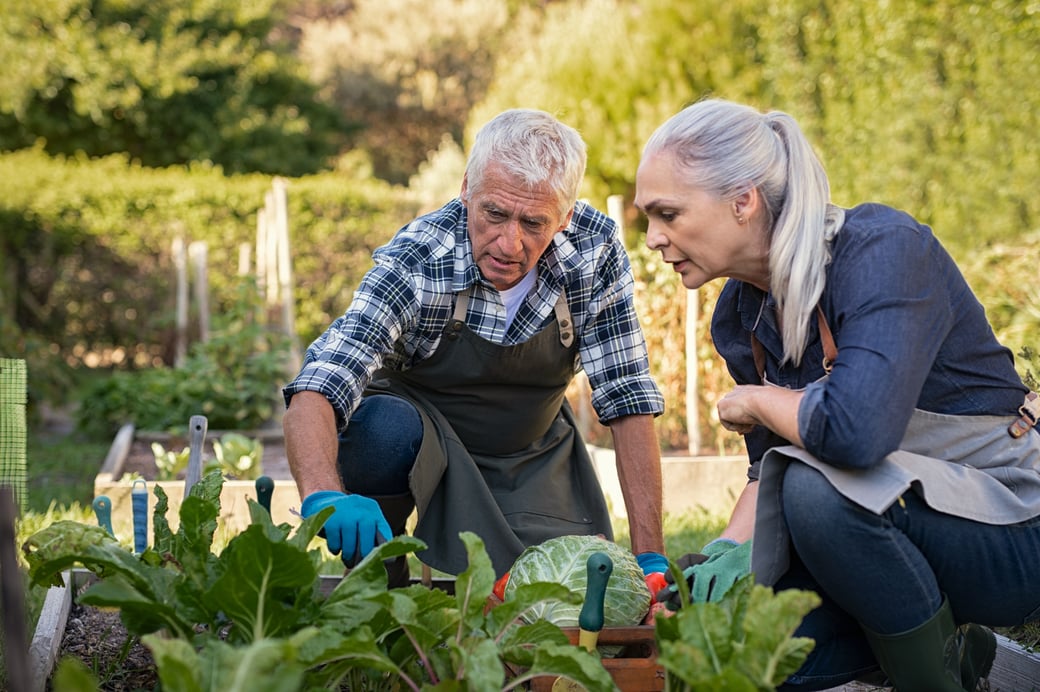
<point x="514" y="297"/>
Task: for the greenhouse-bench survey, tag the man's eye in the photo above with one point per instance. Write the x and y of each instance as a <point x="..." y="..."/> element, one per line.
<point x="667" y="216"/>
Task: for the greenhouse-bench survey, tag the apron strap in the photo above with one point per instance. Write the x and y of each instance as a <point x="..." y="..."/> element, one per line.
<point x="563" y="316"/>
<point x="830" y="349"/>
<point x="461" y="305"/>
<point x="1028" y="415"/>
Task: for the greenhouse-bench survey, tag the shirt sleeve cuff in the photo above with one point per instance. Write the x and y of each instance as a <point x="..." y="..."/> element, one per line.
<point x="810" y="420"/>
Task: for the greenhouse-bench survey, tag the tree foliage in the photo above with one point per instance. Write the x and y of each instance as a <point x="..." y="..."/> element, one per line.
<point x="929" y="106"/>
<point x="164" y="81"/>
<point x="408" y="71"/>
<point x="86" y="246"/>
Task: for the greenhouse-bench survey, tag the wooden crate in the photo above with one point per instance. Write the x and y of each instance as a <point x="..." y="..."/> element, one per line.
<point x="634" y="669"/>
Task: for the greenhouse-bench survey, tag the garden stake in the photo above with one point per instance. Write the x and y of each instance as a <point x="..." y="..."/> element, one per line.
<point x="197" y="437"/>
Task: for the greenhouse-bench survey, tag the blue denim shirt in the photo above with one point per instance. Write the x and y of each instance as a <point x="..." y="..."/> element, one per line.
<point x="910" y="334"/>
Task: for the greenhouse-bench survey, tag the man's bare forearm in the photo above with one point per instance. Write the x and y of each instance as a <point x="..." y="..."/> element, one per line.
<point x="638" y="458"/>
<point x="311" y="443"/>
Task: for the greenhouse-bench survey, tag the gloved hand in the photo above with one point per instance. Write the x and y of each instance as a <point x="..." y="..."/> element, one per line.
<point x="652" y="562"/>
<point x="710" y="573"/>
<point x="356" y="526"/>
<point x="654" y="567"/>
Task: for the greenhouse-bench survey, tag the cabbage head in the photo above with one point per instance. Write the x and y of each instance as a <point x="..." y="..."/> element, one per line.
<point x="562" y="560"/>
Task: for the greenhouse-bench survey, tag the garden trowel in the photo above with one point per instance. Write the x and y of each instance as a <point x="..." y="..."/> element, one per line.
<point x="590" y="619"/>
<point x="264" y="489"/>
<point x="103" y="511"/>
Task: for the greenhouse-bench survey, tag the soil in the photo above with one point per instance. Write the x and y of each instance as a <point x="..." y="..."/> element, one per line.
<point x="98" y="638"/>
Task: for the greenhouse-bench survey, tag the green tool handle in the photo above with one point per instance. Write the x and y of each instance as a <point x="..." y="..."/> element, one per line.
<point x="599" y="566"/>
<point x="264" y="490"/>
<point x="103" y="511"/>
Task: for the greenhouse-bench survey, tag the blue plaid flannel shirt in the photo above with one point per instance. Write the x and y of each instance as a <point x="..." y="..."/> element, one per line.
<point x="404" y="302"/>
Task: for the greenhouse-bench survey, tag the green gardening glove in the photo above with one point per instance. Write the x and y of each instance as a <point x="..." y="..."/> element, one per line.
<point x="727" y="562"/>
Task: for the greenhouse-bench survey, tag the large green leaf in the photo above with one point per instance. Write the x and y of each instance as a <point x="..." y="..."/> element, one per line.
<point x="141" y="612"/>
<point x="743" y="642"/>
<point x="267" y="664"/>
<point x="257" y="589"/>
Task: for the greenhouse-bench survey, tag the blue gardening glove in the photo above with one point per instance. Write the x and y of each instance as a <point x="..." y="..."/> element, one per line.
<point x="654" y="566"/>
<point x="710" y="573"/>
<point x="652" y="562"/>
<point x="356" y="526"/>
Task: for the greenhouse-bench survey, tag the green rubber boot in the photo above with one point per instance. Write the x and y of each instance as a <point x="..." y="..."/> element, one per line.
<point x="935" y="656"/>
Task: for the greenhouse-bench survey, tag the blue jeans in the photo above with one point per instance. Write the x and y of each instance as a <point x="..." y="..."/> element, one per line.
<point x="889" y="572"/>
<point x="379" y="446"/>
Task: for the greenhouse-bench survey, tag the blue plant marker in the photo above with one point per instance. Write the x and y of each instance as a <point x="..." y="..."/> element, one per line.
<point x="264" y="490"/>
<point x="103" y="511"/>
<point x="139" y="501"/>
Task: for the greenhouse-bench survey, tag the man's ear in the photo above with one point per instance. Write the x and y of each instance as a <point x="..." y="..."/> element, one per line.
<point x="464" y="188"/>
<point x="566" y="220"/>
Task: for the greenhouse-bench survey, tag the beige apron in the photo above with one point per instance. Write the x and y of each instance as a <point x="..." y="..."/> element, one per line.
<point x="501" y="455"/>
<point x="965" y="466"/>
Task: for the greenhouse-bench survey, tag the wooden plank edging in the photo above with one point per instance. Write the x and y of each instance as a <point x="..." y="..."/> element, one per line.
<point x="50" y="630"/>
<point x="112" y="466"/>
<point x="1015" y="669"/>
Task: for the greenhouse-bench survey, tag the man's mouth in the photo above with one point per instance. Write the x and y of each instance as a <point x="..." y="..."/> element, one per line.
<point x="502" y="264"/>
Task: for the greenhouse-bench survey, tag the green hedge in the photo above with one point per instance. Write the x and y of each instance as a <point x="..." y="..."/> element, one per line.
<point x="86" y="246"/>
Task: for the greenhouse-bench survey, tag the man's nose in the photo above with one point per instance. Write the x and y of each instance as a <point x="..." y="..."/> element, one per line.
<point x="512" y="235"/>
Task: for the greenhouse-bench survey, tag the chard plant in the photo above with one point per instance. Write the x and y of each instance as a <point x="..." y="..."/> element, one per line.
<point x="742" y="642"/>
<point x="255" y="616"/>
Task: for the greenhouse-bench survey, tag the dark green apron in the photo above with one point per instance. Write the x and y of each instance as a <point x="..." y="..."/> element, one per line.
<point x="501" y="455"/>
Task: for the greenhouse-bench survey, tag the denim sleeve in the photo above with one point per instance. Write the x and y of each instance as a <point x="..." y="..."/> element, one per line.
<point x="887" y="301"/>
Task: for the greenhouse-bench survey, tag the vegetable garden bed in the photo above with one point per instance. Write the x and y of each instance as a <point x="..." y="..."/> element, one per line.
<point x="131" y="456"/>
<point x="636" y="669"/>
<point x="1015" y="669"/>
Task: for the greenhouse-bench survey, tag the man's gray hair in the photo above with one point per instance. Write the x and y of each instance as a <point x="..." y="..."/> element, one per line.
<point x="727" y="149"/>
<point x="533" y="146"/>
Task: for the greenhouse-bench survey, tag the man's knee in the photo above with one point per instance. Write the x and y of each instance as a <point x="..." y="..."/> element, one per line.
<point x="379" y="446"/>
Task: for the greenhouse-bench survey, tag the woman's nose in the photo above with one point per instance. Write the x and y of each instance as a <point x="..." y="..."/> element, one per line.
<point x="654" y="239"/>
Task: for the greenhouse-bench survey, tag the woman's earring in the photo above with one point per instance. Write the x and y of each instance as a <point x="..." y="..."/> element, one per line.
<point x="740" y="220"/>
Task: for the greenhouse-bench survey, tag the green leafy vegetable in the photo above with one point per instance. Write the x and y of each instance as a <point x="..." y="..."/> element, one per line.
<point x="563" y="561"/>
<point x="743" y="642"/>
<point x="255" y="617"/>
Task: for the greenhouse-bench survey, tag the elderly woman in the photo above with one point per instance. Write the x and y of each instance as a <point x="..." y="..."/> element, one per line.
<point x="894" y="453"/>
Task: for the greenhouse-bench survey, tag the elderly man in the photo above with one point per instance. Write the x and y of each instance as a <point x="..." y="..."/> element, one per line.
<point x="442" y="387"/>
